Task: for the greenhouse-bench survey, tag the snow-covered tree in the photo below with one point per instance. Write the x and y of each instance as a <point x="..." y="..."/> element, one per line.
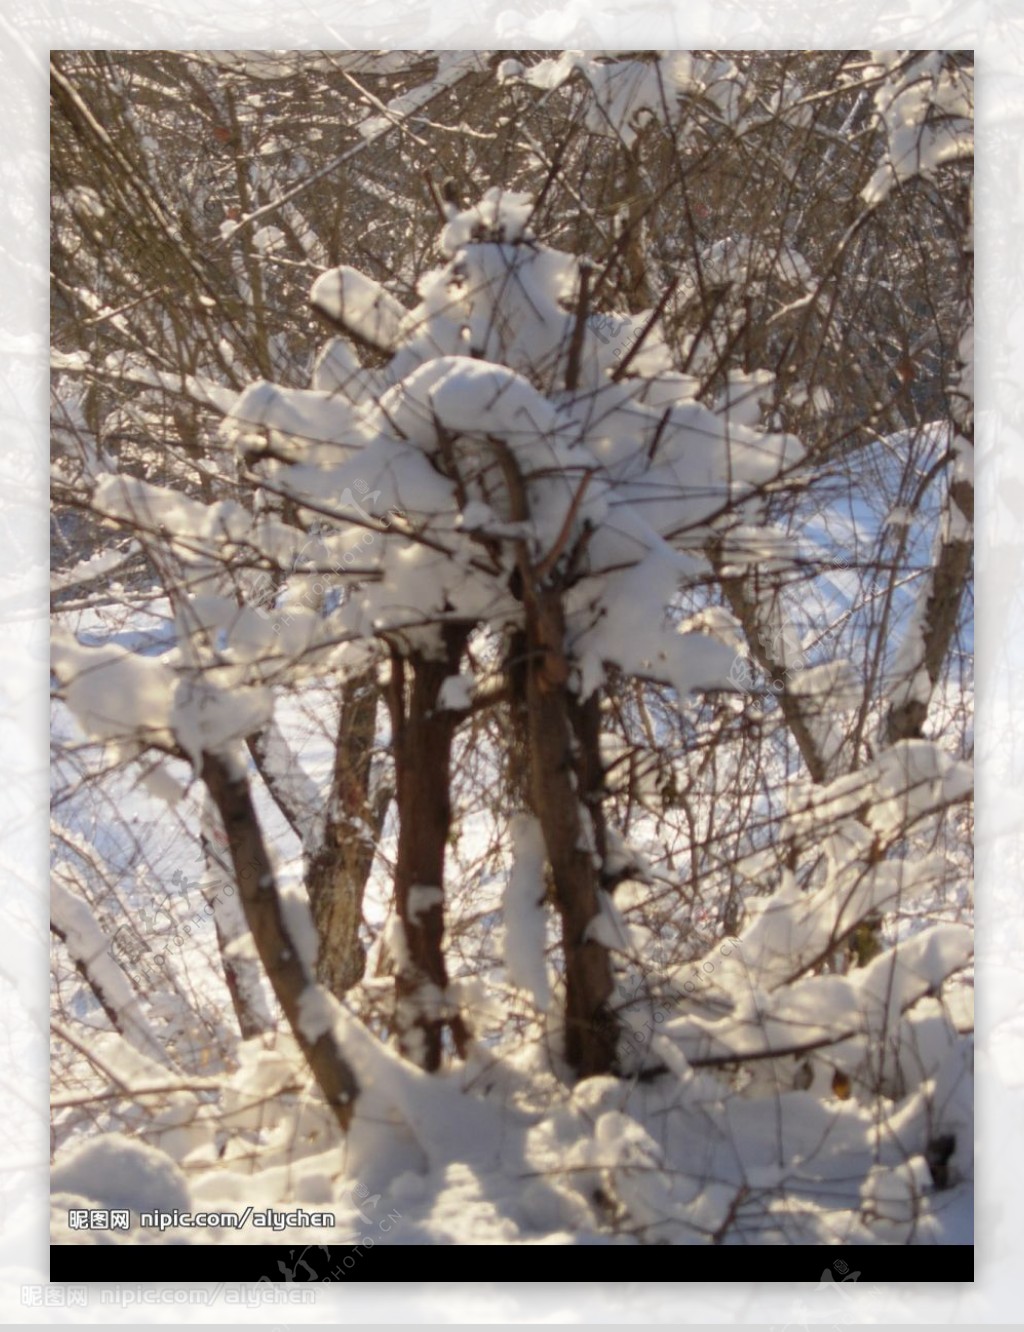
<point x="594" y="590"/>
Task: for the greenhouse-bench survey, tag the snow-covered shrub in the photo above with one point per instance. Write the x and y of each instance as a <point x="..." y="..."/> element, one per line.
<point x="564" y="818"/>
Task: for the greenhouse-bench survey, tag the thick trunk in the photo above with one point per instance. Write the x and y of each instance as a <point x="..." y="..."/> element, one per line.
<point x="556" y="785"/>
<point x="423" y="740"/>
<point x="585" y="719"/>
<point x="565" y="783"/>
<point x="939" y="602"/>
<point x="242" y="974"/>
<point x="338" y="870"/>
<point x="123" y="1012"/>
<point x="276" y="948"/>
<point x="764" y="640"/>
<point x="245" y="998"/>
<point x="637" y="204"/>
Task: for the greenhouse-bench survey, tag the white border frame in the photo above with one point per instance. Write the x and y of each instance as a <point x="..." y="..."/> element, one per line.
<point x="25" y="37"/>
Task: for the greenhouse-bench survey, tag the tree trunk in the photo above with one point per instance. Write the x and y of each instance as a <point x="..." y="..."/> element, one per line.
<point x="340" y="867"/>
<point x="938" y="609"/>
<point x="557" y="781"/>
<point x="422" y="744"/>
<point x="242" y="975"/>
<point x="274" y="944"/>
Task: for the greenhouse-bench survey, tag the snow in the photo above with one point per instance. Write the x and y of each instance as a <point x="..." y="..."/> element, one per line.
<point x="905" y="782"/>
<point x="963" y="460"/>
<point x="267" y="240"/>
<point x="833" y="681"/>
<point x="159" y="782"/>
<point x="102" y="562"/>
<point x="464" y="410"/>
<point x="452" y="67"/>
<point x="155" y="507"/>
<point x="739" y="259"/>
<point x="718" y="622"/>
<point x="891" y="1196"/>
<point x="360" y="305"/>
<point x="136" y="370"/>
<point x="898" y="517"/>
<point x="508" y="70"/>
<point x="115" y="694"/>
<point x="302" y="416"/>
<point x="316" y="1016"/>
<point x="287" y="774"/>
<point x="337" y="370"/>
<point x="524" y="914"/>
<point x="608" y="927"/>
<point x="501" y="215"/>
<point x="90" y="947"/>
<point x="457" y="692"/>
<point x="745" y="396"/>
<point x="299" y="927"/>
<point x="926" y="106"/>
<point x="627" y="634"/>
<point x="444" y="1156"/>
<point x="627" y="93"/>
<point x="119" y="1172"/>
<point x="914" y="777"/>
<point x="423" y="897"/>
<point x="207" y="718"/>
<point x="465" y="396"/>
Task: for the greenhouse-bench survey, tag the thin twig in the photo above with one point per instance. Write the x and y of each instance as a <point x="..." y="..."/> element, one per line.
<point x="572" y="371"/>
<point x="655" y="315"/>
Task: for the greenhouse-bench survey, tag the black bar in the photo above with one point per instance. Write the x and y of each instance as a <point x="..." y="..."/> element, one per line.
<point x="298" y="1264"/>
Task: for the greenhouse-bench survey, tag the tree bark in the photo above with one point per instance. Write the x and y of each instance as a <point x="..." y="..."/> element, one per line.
<point x="939" y="604"/>
<point x="242" y="975"/>
<point x="339" y="868"/>
<point x="274" y="944"/>
<point x="422" y="738"/>
<point x="556" y="783"/>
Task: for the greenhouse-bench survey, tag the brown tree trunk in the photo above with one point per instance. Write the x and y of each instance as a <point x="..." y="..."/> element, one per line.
<point x="637" y="204"/>
<point x="338" y="870"/>
<point x="939" y="605"/>
<point x="561" y="774"/>
<point x="585" y="719"/>
<point x="276" y="948"/>
<point x="241" y="974"/>
<point x="422" y="738"/>
<point x="557" y="781"/>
